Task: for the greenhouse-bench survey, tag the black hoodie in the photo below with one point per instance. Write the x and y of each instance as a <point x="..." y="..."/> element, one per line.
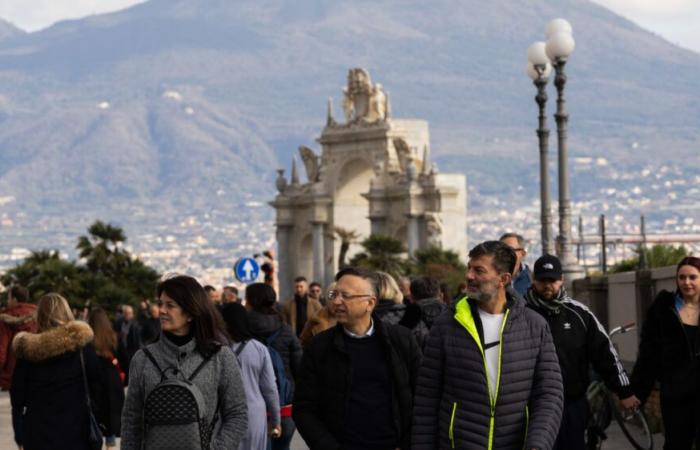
<point x="287" y="345"/>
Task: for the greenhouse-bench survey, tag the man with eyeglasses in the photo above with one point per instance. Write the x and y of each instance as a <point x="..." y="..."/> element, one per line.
<point x="360" y="372"/>
<point x="522" y="276"/>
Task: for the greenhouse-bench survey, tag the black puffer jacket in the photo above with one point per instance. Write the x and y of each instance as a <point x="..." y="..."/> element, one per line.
<point x="389" y="312"/>
<point x="287" y="345"/>
<point x="320" y="402"/>
<point x="420" y="317"/>
<point x="665" y="355"/>
<point x="452" y="405"/>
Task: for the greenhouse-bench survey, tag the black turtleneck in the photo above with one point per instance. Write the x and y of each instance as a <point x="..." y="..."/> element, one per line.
<point x="179" y="340"/>
<point x="301" y="303"/>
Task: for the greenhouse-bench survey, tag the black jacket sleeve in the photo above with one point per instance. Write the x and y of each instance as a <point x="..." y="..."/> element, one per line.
<point x="604" y="358"/>
<point x="546" y="398"/>
<point x="295" y="353"/>
<point x="18" y="399"/>
<point x="646" y="368"/>
<point x="307" y="400"/>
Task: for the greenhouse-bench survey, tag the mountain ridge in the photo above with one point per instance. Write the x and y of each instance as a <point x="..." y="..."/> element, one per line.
<point x="172" y="100"/>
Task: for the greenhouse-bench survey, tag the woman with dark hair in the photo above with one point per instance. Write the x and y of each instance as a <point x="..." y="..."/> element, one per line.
<point x="267" y="326"/>
<point x="49" y="402"/>
<point x="109" y="396"/>
<point x="191" y="351"/>
<point x="258" y="379"/>
<point x="668" y="352"/>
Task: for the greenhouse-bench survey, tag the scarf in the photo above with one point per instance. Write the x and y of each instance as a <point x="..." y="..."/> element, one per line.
<point x="552" y="306"/>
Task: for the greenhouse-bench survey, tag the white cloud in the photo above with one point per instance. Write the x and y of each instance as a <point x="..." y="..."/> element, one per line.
<point x="652" y="8"/>
<point x="32" y="15"/>
<point x="675" y="20"/>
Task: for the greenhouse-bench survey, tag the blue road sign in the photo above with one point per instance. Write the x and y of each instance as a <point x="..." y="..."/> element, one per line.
<point x="247" y="270"/>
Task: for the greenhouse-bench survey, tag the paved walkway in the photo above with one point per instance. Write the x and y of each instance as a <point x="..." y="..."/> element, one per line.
<point x="616" y="440"/>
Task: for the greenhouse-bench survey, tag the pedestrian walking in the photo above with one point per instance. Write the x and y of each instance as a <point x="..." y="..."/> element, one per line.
<point x="109" y="392"/>
<point x="390" y="308"/>
<point x="489" y="378"/>
<point x="321" y="321"/>
<point x="258" y="377"/>
<point x="20" y="315"/>
<point x="129" y="335"/>
<point x="267" y="326"/>
<point x="356" y="384"/>
<point x="48" y="397"/>
<point x="190" y="376"/>
<point x="522" y="276"/>
<point x="668" y="353"/>
<point x="425" y="309"/>
<point x="298" y="309"/>
<point x="150" y="326"/>
<point x="581" y="343"/>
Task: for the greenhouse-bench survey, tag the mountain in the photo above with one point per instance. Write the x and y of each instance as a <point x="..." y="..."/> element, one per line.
<point x="171" y="102"/>
<point x="8" y="31"/>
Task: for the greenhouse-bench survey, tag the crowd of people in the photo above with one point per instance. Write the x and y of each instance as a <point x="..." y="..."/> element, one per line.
<point x="370" y="362"/>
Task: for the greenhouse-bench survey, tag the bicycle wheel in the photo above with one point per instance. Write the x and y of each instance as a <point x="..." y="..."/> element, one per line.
<point x="634" y="425"/>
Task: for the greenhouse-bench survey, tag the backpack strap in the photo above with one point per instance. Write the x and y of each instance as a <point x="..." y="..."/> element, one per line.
<point x="240" y="348"/>
<point x="201" y="366"/>
<point x="150" y="356"/>
<point x="273" y="337"/>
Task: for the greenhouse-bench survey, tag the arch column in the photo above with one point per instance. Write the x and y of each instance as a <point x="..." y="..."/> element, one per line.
<point x="317" y="239"/>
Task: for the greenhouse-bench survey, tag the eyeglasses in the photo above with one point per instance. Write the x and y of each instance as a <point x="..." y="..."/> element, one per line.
<point x="332" y="295"/>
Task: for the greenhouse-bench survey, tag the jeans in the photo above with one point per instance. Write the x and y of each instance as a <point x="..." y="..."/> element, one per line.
<point x="282" y="442"/>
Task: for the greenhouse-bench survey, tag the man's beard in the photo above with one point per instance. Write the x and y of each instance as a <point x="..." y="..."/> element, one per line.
<point x="486" y="290"/>
<point x="546" y="295"/>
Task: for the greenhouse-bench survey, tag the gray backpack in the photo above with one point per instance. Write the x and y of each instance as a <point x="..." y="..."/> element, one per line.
<point x="174" y="415"/>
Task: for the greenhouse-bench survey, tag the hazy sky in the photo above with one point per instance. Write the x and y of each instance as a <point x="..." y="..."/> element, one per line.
<point x="675" y="20"/>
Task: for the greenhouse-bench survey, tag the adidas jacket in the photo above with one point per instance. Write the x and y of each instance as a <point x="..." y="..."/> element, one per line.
<point x="582" y="341"/>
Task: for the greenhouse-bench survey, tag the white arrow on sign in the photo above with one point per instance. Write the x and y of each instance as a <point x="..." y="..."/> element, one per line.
<point x="247" y="268"/>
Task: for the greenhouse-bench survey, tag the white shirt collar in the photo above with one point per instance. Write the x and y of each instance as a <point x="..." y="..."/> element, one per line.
<point x="370" y="332"/>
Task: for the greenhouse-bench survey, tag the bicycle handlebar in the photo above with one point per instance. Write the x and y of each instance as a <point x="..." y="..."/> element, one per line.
<point x="623" y="329"/>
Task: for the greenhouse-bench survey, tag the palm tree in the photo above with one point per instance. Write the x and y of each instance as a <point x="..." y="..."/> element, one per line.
<point x="101" y="248"/>
<point x="346" y="237"/>
<point x="385" y="253"/>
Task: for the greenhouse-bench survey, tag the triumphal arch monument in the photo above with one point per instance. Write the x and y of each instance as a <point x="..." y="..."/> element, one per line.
<point x="373" y="176"/>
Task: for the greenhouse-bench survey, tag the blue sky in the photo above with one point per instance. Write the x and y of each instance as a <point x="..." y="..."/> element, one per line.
<point x="675" y="20"/>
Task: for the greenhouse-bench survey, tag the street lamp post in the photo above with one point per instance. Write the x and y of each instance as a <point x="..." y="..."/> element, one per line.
<point x="538" y="69"/>
<point x="560" y="44"/>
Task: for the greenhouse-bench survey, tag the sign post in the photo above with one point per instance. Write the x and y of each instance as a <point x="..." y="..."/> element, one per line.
<point x="246" y="270"/>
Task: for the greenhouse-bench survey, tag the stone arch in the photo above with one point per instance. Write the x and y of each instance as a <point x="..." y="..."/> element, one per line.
<point x="305" y="258"/>
<point x="350" y="207"/>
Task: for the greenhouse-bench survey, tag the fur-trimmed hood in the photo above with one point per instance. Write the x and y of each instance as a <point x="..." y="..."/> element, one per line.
<point x="37" y="347"/>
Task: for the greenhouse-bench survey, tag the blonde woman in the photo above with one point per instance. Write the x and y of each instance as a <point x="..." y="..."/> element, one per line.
<point x="49" y="408"/>
<point x="390" y="308"/>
